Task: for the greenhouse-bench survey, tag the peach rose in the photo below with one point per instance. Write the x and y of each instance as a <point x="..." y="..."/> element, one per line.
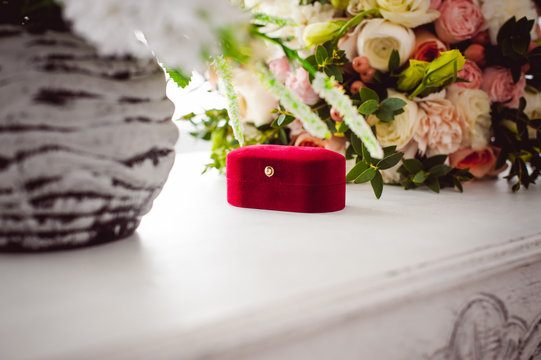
<point x="308" y="140"/>
<point x="472" y="73"/>
<point x="299" y="82"/>
<point x="460" y="20"/>
<point x="280" y="68"/>
<point x="441" y="128"/>
<point x="499" y="85"/>
<point x="480" y="162"/>
<point x="427" y="46"/>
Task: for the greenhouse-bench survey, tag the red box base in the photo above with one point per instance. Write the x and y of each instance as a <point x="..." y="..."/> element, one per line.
<point x="286" y="178"/>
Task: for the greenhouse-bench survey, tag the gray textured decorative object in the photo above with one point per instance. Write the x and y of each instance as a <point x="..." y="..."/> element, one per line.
<point x="86" y="142"/>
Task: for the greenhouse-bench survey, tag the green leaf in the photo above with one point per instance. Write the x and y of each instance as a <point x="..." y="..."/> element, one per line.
<point x="334" y="71"/>
<point x="393" y="104"/>
<point x="390" y="161"/>
<point x="394" y="61"/>
<point x="389" y="150"/>
<point x="384" y="114"/>
<point x="276" y="123"/>
<point x="368" y="107"/>
<point x="283" y="137"/>
<point x="366" y="175"/>
<point x="356" y="171"/>
<point x="434" y="160"/>
<point x="179" y="77"/>
<point x="368" y="94"/>
<point x="440" y="170"/>
<point x="321" y="54"/>
<point x="357" y="144"/>
<point x="377" y="184"/>
<point x="366" y="154"/>
<point x="420" y="177"/>
<point x="434" y="185"/>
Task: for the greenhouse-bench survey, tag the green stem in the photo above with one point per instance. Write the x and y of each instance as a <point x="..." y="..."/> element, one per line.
<point x="356" y="20"/>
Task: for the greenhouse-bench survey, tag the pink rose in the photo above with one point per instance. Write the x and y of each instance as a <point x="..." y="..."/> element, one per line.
<point x="280" y="68"/>
<point x="480" y="162"/>
<point x="499" y="85"/>
<point x="427" y="46"/>
<point x="441" y="127"/>
<point x="435" y="4"/>
<point x="472" y="73"/>
<point x="459" y="20"/>
<point x="299" y="82"/>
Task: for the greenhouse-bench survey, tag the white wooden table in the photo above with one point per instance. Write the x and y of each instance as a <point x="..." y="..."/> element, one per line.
<point x="387" y="279"/>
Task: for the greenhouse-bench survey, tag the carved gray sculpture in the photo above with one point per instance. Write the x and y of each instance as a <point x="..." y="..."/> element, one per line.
<point x="86" y="142"/>
<point x="484" y="330"/>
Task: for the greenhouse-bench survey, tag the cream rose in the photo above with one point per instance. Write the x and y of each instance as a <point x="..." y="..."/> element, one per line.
<point x="399" y="131"/>
<point x="474" y="106"/>
<point x="410" y="13"/>
<point x="441" y="127"/>
<point x="255" y="101"/>
<point x="358" y="6"/>
<point x="378" y="38"/>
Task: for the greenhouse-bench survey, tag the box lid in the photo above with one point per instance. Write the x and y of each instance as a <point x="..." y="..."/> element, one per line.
<point x="292" y="165"/>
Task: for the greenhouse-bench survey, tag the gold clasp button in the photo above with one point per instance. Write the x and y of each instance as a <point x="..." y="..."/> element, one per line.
<point x="269" y="171"/>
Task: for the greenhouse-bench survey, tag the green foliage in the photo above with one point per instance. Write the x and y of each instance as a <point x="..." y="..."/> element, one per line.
<point x="433" y="173"/>
<point x="520" y="141"/>
<point x="385" y="110"/>
<point x="369" y="169"/>
<point x="513" y="42"/>
<point x="328" y="59"/>
<point x="214" y="126"/>
<point x="178" y="76"/>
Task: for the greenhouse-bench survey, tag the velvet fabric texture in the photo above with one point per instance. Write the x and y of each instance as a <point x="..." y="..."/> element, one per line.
<point x="286" y="178"/>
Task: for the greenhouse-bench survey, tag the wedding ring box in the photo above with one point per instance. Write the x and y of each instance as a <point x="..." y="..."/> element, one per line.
<point x="286" y="178"/>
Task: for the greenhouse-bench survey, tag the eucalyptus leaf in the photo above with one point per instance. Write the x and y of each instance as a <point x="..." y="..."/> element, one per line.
<point x="433" y="185"/>
<point x="420" y="177"/>
<point x="390" y="161"/>
<point x="357" y="144"/>
<point x="368" y="94"/>
<point x="366" y="175"/>
<point x="321" y="54"/>
<point x="377" y="184"/>
<point x="356" y="171"/>
<point x="393" y="103"/>
<point x="394" y="61"/>
<point x="440" y="170"/>
<point x="368" y="107"/>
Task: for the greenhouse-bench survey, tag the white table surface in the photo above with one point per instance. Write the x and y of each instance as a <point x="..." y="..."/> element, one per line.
<point x="198" y="267"/>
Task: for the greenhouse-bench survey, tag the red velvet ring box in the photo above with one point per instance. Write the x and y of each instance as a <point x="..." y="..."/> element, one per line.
<point x="286" y="178"/>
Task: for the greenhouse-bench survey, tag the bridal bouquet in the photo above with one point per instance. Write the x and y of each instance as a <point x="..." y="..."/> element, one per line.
<point x="414" y="92"/>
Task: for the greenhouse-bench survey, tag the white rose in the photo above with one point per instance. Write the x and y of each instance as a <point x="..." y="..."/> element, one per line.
<point x="410" y="13"/>
<point x="255" y="101"/>
<point x="474" y="105"/>
<point x="497" y="12"/>
<point x="400" y="131"/>
<point x="378" y="38"/>
<point x="358" y="6"/>
<point x="300" y="15"/>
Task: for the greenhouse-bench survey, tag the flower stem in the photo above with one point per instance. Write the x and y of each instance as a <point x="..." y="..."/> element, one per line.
<point x="326" y="88"/>
<point x="293" y="104"/>
<point x="224" y="71"/>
